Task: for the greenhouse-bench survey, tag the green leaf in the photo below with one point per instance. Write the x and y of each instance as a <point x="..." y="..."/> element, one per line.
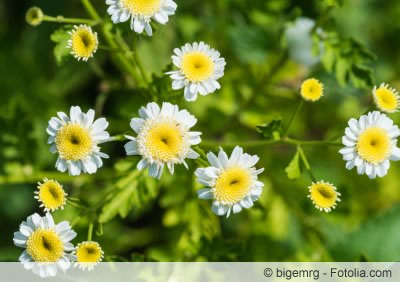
<point x="362" y="76"/>
<point x="60" y="37"/>
<point x="271" y="130"/>
<point x="328" y="59"/>
<point x="293" y="169"/>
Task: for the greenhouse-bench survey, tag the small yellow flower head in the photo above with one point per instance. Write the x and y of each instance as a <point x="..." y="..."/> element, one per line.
<point x="34" y="16"/>
<point x="324" y="195"/>
<point x="51" y="195"/>
<point x="312" y="90"/>
<point x="88" y="254"/>
<point x="83" y="42"/>
<point x="386" y="99"/>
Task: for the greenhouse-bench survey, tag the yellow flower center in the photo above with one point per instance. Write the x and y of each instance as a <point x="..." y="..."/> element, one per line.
<point x="232" y="185"/>
<point x="324" y="195"/>
<point x="44" y="245"/>
<point x="386" y="99"/>
<point x="197" y="66"/>
<point x="84" y="43"/>
<point x="145" y="8"/>
<point x="88" y="252"/>
<point x="374" y="145"/>
<point x="164" y="141"/>
<point x="73" y="142"/>
<point x="312" y="89"/>
<point x="51" y="194"/>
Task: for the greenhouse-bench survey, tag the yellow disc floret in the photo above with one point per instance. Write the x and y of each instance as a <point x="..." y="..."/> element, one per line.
<point x="232" y="185"/>
<point x="44" y="245"/>
<point x="386" y="99"/>
<point x="83" y="42"/>
<point x="197" y="66"/>
<point x="144" y="8"/>
<point x="312" y="90"/>
<point x="73" y="142"/>
<point x="89" y="252"/>
<point x="164" y="141"/>
<point x="374" y="145"/>
<point x="324" y="195"/>
<point x="51" y="194"/>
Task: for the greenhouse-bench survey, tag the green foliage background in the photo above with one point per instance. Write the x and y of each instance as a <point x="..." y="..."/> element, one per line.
<point x="143" y="219"/>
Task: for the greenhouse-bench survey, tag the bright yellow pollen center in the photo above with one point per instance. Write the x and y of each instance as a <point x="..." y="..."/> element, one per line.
<point x="324" y="195"/>
<point x="164" y="141"/>
<point x="374" y="145"/>
<point x="83" y="43"/>
<point x="73" y="142"/>
<point x="146" y="8"/>
<point x="88" y="252"/>
<point x="44" y="245"/>
<point x="197" y="66"/>
<point x="232" y="185"/>
<point x="312" y="89"/>
<point x="51" y="194"/>
<point x="386" y="99"/>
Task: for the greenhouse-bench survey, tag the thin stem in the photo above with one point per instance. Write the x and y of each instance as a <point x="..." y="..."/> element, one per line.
<point x="306" y="163"/>
<point x="293" y="117"/>
<point x="90" y="9"/>
<point x="62" y="19"/>
<point x="90" y="231"/>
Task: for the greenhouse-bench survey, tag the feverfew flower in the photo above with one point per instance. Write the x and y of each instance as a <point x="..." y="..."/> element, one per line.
<point x="324" y="195"/>
<point x="312" y="90"/>
<point x="163" y="137"/>
<point x="200" y="67"/>
<point x="88" y="254"/>
<point x="46" y="244"/>
<point x="370" y="143"/>
<point x="232" y="182"/>
<point x="141" y="12"/>
<point x="51" y="195"/>
<point x="386" y="99"/>
<point x="83" y="42"/>
<point x="76" y="139"/>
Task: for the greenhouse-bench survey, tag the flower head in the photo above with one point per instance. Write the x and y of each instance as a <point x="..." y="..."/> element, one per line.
<point x="386" y="99"/>
<point x="46" y="244"/>
<point x="163" y="138"/>
<point x="200" y="67"/>
<point x="312" y="90"/>
<point x="83" y="42"/>
<point x="324" y="195"/>
<point x="34" y="16"/>
<point x="141" y="12"/>
<point x="370" y="143"/>
<point x="233" y="182"/>
<point x="88" y="254"/>
<point x="76" y="139"/>
<point x="51" y="195"/>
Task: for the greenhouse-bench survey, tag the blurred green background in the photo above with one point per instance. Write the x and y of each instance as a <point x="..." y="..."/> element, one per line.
<point x="270" y="49"/>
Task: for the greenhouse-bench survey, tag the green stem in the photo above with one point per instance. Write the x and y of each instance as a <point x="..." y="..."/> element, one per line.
<point x="90" y="9"/>
<point x="75" y="221"/>
<point x="61" y="19"/>
<point x="90" y="231"/>
<point x="306" y="163"/>
<point x="293" y="117"/>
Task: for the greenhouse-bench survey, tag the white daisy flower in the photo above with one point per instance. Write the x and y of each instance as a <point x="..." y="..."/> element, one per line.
<point x="370" y="143"/>
<point x="88" y="255"/>
<point x="200" y="67"/>
<point x="141" y="12"/>
<point x="164" y="137"/>
<point x="51" y="195"/>
<point x="386" y="98"/>
<point x="46" y="244"/>
<point x="324" y="195"/>
<point x="83" y="42"/>
<point x="76" y="139"/>
<point x="233" y="182"/>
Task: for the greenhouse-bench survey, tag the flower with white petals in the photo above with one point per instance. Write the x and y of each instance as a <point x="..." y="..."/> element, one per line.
<point x="200" y="67"/>
<point x="233" y="182"/>
<point x="88" y="255"/>
<point x="46" y="244"/>
<point x="370" y="143"/>
<point x="141" y="12"/>
<point x="83" y="42"/>
<point x="163" y="138"/>
<point x="76" y="139"/>
<point x="51" y="195"/>
<point x="387" y="99"/>
<point x="324" y="195"/>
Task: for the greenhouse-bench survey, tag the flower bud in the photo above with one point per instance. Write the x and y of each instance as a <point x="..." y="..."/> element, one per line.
<point x="34" y="16"/>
